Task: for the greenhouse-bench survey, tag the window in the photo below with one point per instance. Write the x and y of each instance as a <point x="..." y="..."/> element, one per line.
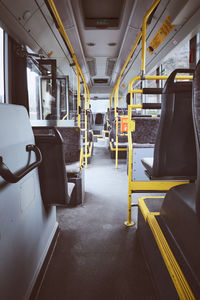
<point x="33" y="94"/>
<point x="177" y="59"/>
<point x="1" y="66"/>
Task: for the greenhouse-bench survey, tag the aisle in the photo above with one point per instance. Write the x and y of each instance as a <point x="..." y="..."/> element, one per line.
<point x="96" y="256"/>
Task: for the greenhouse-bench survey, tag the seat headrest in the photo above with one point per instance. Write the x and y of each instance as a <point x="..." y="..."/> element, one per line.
<point x="171" y="86"/>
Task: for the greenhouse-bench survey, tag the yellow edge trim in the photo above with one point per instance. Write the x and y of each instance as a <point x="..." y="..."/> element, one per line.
<point x="155" y="185"/>
<point x="143" y="207"/>
<point x="106" y="131"/>
<point x="176" y="274"/>
<point x="119" y="149"/>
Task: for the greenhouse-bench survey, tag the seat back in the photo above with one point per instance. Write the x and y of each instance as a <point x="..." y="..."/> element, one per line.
<point x="111" y="115"/>
<point x="71" y="143"/>
<point x="146" y="129"/>
<point x="175" y="152"/>
<point x="121" y="138"/>
<point x="99" y="119"/>
<point x="196" y="118"/>
<point x="52" y="172"/>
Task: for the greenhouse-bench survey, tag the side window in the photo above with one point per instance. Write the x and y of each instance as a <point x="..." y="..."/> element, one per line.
<point x="1" y="66"/>
<point x="33" y="94"/>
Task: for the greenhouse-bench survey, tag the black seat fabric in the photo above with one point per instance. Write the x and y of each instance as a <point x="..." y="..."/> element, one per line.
<point x="55" y="188"/>
<point x="111" y="115"/>
<point x="146" y="129"/>
<point x="99" y="119"/>
<point x="175" y="152"/>
<point x="71" y="143"/>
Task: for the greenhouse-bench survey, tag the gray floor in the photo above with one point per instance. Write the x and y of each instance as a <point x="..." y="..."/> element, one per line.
<point x="96" y="256"/>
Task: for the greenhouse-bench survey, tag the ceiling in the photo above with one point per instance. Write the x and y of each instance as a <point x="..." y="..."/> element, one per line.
<point x="102" y="33"/>
<point x="106" y="31"/>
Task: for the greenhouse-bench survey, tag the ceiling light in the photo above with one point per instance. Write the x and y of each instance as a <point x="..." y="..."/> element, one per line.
<point x="112" y="44"/>
<point x="91" y="44"/>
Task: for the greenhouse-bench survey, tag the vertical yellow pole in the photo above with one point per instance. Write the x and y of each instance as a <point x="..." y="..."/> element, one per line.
<point x="86" y="152"/>
<point x="144" y="30"/>
<point x="78" y="96"/>
<point x="130" y="169"/>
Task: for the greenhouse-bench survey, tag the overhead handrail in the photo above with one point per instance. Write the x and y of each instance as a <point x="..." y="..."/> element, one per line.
<point x="141" y="34"/>
<point x="54" y="12"/>
<point x="10" y="177"/>
<point x="152" y="77"/>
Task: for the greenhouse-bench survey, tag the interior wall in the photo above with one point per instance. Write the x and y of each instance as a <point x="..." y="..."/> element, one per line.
<point x="27" y="227"/>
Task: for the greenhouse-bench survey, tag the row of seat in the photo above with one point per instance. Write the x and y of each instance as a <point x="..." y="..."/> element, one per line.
<point x="144" y="135"/>
<point x="169" y="227"/>
<point x="174" y="153"/>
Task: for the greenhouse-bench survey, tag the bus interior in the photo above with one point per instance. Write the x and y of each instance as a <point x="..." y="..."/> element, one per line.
<point x="99" y="149"/>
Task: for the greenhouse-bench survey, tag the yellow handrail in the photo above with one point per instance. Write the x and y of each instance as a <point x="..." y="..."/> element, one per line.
<point x="153" y="77"/>
<point x="79" y="72"/>
<point x="144" y="28"/>
<point x="142" y="34"/>
<point x="141" y="185"/>
<point x="65" y="117"/>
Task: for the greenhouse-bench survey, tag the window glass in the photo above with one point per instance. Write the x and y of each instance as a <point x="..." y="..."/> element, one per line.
<point x="1" y="66"/>
<point x="33" y="94"/>
<point x="178" y="58"/>
<point x="198" y="47"/>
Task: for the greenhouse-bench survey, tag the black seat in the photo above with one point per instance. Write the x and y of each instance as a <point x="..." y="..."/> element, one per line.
<point x="55" y="188"/>
<point x="175" y="152"/>
<point x="146" y="129"/>
<point x="179" y="219"/>
<point x="181" y="207"/>
<point x="99" y="119"/>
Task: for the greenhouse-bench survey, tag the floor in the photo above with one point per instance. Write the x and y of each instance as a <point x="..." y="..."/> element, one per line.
<point x="96" y="256"/>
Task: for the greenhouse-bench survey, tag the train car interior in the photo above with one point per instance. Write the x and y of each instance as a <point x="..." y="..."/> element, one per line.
<point x="99" y="149"/>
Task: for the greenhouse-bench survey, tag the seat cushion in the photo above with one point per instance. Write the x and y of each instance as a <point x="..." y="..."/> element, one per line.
<point x="136" y="145"/>
<point x="148" y="164"/>
<point x="73" y="167"/>
<point x="178" y="212"/>
<point x="122" y="145"/>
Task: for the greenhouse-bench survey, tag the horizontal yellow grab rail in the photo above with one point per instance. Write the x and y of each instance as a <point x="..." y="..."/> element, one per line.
<point x="152" y="77"/>
<point x="155" y="185"/>
<point x="114" y="149"/>
<point x="90" y="151"/>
